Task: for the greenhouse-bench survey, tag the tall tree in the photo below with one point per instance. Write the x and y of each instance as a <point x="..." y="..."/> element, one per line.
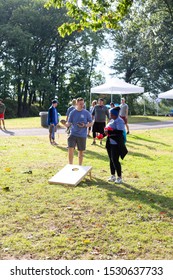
<point x="40" y="62"/>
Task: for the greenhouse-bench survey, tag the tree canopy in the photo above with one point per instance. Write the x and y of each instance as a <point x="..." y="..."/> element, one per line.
<point x="93" y="14"/>
<point x="36" y="63"/>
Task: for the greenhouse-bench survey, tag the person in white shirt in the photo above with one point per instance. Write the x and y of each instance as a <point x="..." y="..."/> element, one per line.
<point x="124" y="113"/>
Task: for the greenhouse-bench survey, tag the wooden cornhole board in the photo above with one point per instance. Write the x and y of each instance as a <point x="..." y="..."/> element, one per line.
<point x="71" y="175"/>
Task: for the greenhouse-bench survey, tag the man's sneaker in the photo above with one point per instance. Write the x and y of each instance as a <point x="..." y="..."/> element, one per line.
<point x="93" y="143"/>
<point x="112" y="178"/>
<point x="118" y="180"/>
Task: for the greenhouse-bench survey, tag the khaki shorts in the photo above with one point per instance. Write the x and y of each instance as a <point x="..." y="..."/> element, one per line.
<point x="52" y="127"/>
<point x="74" y="141"/>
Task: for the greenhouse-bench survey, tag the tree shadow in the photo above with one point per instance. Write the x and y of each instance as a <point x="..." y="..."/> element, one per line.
<point x="140" y="155"/>
<point x="97" y="155"/>
<point x="131" y="143"/>
<point x="157" y="201"/>
<point x="150" y="141"/>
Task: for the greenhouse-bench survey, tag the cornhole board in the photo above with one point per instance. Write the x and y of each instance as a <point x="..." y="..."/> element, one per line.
<point x="71" y="175"/>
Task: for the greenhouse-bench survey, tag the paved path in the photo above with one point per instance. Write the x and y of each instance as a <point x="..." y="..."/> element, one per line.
<point x="151" y="125"/>
<point x="44" y="131"/>
<point x="28" y="132"/>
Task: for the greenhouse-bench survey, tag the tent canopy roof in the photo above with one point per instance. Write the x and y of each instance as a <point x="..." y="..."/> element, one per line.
<point x="117" y="86"/>
<point x="167" y="94"/>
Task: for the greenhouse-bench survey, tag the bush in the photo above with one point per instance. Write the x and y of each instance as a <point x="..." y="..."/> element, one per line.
<point x="12" y="106"/>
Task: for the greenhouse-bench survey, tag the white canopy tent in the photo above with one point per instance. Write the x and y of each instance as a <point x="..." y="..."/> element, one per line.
<point x="166" y="95"/>
<point x="116" y="86"/>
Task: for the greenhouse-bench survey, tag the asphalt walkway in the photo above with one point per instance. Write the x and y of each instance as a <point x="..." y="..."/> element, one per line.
<point x="44" y="131"/>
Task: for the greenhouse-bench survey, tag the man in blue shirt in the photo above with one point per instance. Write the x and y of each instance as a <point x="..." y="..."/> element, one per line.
<point x="52" y="121"/>
<point x="79" y="120"/>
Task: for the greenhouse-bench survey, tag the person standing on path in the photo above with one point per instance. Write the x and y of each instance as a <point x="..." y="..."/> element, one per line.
<point x="79" y="120"/>
<point x="99" y="114"/>
<point x="52" y="121"/>
<point x="124" y="113"/>
<point x="2" y="113"/>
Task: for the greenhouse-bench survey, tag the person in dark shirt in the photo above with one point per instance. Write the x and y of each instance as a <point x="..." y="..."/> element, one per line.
<point x="115" y="144"/>
<point x="52" y="121"/>
<point x="99" y="114"/>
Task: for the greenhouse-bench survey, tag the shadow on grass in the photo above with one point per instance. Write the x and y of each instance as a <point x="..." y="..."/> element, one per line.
<point x="87" y="154"/>
<point x="97" y="155"/>
<point x="134" y="144"/>
<point x="157" y="201"/>
<point x="147" y="140"/>
<point x="140" y="155"/>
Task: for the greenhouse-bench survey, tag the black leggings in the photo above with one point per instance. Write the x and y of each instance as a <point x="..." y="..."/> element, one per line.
<point x="113" y="154"/>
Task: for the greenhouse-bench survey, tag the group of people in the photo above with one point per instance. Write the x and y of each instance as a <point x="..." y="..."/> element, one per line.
<point x="80" y="122"/>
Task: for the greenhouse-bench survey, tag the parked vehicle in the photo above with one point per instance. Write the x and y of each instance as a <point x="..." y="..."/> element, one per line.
<point x="170" y="114"/>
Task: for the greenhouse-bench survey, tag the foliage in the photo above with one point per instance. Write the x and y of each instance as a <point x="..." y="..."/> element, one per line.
<point x="143" y="46"/>
<point x="36" y="64"/>
<point x="91" y="14"/>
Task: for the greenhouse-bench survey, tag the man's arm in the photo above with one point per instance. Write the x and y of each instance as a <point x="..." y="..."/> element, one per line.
<point x="89" y="124"/>
<point x="93" y="113"/>
<point x="65" y="123"/>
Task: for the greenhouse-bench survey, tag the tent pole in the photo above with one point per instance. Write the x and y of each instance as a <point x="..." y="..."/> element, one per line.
<point x="144" y="109"/>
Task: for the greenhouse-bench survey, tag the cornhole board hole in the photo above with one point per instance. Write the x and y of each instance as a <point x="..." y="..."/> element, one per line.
<point x="71" y="175"/>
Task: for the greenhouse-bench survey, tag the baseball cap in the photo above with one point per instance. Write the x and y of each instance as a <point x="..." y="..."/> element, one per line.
<point x="54" y="101"/>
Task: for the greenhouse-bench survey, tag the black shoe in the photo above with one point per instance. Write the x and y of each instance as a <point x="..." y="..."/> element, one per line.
<point x="93" y="143"/>
<point x="127" y="132"/>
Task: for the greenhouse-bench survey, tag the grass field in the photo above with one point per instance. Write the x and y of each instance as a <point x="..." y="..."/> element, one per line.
<point x="35" y="122"/>
<point x="96" y="219"/>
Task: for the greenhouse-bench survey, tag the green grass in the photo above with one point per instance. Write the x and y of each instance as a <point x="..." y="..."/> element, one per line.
<point x="96" y="219"/>
<point x="35" y="122"/>
<point x="139" y="119"/>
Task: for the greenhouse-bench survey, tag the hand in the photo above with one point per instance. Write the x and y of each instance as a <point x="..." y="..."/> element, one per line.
<point x="100" y="136"/>
<point x="63" y="122"/>
<point x="108" y="128"/>
<point x="81" y="125"/>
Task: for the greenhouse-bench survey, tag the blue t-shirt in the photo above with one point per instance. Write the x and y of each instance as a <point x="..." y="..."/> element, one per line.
<point x="71" y="108"/>
<point x="117" y="124"/>
<point x="76" y="117"/>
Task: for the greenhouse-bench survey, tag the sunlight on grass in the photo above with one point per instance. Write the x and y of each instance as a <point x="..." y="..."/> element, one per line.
<point x="96" y="219"/>
<point x="35" y="122"/>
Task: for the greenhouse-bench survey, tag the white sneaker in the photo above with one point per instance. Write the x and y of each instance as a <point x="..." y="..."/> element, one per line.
<point x="112" y="178"/>
<point x="118" y="180"/>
